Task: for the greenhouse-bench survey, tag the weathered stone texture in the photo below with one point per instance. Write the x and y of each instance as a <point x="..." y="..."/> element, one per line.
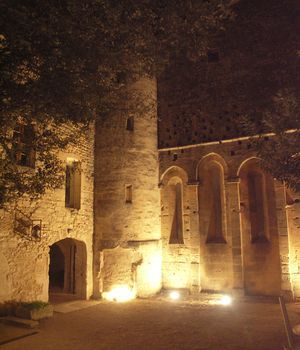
<point x="127" y="157"/>
<point x="293" y="214"/>
<point x="25" y="259"/>
<point x="255" y="57"/>
<point x="237" y="263"/>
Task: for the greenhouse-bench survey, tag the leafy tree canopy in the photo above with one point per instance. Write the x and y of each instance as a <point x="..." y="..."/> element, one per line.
<point x="278" y="138"/>
<point x="70" y="61"/>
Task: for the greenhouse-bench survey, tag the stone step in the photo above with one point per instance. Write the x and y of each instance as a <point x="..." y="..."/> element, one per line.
<point x="20" y="322"/>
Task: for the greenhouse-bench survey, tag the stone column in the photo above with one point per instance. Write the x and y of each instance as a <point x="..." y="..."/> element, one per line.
<point x="127" y="203"/>
<point x="286" y="287"/>
<point x="234" y="227"/>
<point x="194" y="239"/>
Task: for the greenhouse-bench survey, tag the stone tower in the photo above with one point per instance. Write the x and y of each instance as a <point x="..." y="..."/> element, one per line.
<point x="127" y="211"/>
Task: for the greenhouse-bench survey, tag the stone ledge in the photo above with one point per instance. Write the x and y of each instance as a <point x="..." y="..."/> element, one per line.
<point x="20" y="322"/>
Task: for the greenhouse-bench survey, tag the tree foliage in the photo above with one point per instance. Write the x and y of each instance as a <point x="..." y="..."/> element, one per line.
<point x="278" y="141"/>
<point x="70" y="61"/>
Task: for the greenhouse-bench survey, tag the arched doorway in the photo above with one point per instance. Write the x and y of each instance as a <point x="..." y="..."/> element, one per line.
<point x="260" y="240"/>
<point x="67" y="269"/>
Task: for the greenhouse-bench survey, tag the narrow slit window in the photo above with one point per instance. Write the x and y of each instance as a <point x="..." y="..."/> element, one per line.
<point x="215" y="205"/>
<point x="176" y="236"/>
<point x="73" y="184"/>
<point x="257" y="207"/>
<point x="128" y="193"/>
<point x="130" y="123"/>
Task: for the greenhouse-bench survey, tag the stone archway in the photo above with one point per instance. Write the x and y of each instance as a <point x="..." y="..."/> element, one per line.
<point x="67" y="269"/>
<point x="260" y="239"/>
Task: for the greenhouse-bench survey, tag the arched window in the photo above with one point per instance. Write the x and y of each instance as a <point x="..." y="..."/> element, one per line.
<point x="176" y="234"/>
<point x="215" y="203"/>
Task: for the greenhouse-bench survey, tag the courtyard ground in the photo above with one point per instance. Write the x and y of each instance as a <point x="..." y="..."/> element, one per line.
<point x="158" y="324"/>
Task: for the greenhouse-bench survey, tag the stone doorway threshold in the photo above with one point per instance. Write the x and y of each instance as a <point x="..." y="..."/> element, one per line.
<point x="59" y="298"/>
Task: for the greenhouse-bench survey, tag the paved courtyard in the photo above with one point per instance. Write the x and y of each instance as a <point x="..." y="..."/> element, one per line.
<point x="254" y="324"/>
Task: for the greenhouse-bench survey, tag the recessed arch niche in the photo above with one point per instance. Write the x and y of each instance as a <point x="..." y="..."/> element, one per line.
<point x="211" y="198"/>
<point x="259" y="230"/>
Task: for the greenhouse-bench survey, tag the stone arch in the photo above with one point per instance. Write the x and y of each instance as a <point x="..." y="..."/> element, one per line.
<point x="174" y="171"/>
<point x="174" y="229"/>
<point x="245" y="162"/>
<point x="68" y="268"/>
<point x="211" y="172"/>
<point x="260" y="241"/>
<point x="211" y="157"/>
<point x="174" y="181"/>
<point x="253" y="193"/>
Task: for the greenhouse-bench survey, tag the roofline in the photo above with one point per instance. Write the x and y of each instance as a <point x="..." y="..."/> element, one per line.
<point x="203" y="144"/>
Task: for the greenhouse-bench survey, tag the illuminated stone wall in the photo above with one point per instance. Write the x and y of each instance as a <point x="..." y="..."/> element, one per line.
<point x="293" y="215"/>
<point x="239" y="262"/>
<point x="127" y="196"/>
<point x="200" y="100"/>
<point x="25" y="259"/>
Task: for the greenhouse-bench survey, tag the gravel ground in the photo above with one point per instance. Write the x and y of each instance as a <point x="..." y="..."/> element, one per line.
<point x="163" y="325"/>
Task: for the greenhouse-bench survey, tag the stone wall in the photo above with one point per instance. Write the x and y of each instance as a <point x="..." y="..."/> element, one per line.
<point x="201" y="101"/>
<point x="293" y="216"/>
<point x="126" y="192"/>
<point x="239" y="261"/>
<point x="245" y="66"/>
<point x="25" y="258"/>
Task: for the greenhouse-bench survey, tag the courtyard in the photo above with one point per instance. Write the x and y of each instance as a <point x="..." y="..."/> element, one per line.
<point x="159" y="324"/>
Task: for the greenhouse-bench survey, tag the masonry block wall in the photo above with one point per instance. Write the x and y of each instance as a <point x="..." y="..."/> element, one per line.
<point x="200" y="101"/>
<point x="293" y="217"/>
<point x="127" y="197"/>
<point x="25" y="259"/>
<point x="239" y="258"/>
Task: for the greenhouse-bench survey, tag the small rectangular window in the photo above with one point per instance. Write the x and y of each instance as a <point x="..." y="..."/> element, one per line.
<point x="130" y="124"/>
<point x="73" y="184"/>
<point x="212" y="56"/>
<point x="23" y="145"/>
<point x="128" y="193"/>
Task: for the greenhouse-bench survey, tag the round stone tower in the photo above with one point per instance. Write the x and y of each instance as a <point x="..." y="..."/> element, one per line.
<point x="127" y="203"/>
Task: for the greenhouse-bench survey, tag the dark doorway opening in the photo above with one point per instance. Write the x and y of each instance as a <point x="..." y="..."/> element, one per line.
<point x="56" y="269"/>
<point x="67" y="270"/>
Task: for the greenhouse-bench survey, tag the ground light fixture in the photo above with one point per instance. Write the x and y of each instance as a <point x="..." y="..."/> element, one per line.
<point x="119" y="294"/>
<point x="225" y="300"/>
<point x="174" y="295"/>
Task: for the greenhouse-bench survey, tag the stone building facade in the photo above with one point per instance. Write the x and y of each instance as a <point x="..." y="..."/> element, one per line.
<point x="239" y="232"/>
<point x="177" y="201"/>
<point x="238" y="226"/>
<point x="47" y="245"/>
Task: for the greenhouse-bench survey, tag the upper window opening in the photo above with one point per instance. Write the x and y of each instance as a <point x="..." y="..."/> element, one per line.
<point x="73" y="184"/>
<point x="130" y="124"/>
<point x="176" y="236"/>
<point x="128" y="193"/>
<point x="23" y="145"/>
<point x="212" y="56"/>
